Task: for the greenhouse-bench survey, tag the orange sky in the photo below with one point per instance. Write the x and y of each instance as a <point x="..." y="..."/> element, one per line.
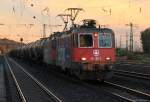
<point x="15" y="13"/>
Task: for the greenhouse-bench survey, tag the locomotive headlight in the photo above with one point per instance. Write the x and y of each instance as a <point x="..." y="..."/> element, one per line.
<point x="107" y="58"/>
<point x="83" y="59"/>
<point x="95" y="34"/>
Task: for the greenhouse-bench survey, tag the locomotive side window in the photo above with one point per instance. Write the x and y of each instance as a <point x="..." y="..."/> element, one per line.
<point x="105" y="40"/>
<point x="85" y="40"/>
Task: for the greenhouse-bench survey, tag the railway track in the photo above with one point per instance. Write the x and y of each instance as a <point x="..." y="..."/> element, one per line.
<point x="35" y="88"/>
<point x="141" y="96"/>
<point x="91" y="86"/>
<point x="132" y="74"/>
<point x="114" y="95"/>
<point x="134" y="95"/>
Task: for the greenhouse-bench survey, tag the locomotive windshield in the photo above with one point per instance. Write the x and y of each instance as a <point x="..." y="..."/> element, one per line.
<point x="105" y="40"/>
<point x="85" y="40"/>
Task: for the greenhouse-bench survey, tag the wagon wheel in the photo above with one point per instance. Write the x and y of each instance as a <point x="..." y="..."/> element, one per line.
<point x="78" y="73"/>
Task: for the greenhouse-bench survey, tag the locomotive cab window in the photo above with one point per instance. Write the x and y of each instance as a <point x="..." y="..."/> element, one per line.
<point x="105" y="40"/>
<point x="85" y="40"/>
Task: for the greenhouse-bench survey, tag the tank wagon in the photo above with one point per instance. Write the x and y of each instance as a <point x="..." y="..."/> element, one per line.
<point x="85" y="51"/>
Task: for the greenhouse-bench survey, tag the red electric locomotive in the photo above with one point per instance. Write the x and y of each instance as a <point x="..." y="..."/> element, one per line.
<point x="85" y="51"/>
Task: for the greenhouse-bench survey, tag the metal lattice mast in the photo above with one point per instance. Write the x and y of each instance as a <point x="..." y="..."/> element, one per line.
<point x="131" y="36"/>
<point x="44" y="30"/>
<point x="126" y="41"/>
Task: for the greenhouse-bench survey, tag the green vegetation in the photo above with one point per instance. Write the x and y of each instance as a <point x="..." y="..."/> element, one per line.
<point x="145" y="37"/>
<point x="140" y="57"/>
<point x="124" y="52"/>
<point x="121" y="52"/>
<point x="136" y="57"/>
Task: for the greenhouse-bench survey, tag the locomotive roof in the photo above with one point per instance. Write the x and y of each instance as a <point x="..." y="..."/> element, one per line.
<point x="91" y="30"/>
<point x="88" y="26"/>
<point x="83" y="30"/>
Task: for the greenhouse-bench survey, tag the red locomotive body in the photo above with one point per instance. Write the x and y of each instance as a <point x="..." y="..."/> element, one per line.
<point x="85" y="51"/>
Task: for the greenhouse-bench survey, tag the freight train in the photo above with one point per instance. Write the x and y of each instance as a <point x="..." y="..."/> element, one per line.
<point x="85" y="51"/>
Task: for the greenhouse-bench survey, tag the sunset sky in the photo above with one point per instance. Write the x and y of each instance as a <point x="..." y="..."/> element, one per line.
<point x="17" y="16"/>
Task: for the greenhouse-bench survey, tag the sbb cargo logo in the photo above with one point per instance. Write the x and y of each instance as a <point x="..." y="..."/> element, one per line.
<point x="96" y="52"/>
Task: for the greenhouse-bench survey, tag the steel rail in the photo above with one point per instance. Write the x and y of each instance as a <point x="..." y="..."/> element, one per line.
<point x="133" y="74"/>
<point x="142" y="94"/>
<point x="54" y="97"/>
<point x="16" y="83"/>
<point x="125" y="99"/>
<point x="122" y="97"/>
